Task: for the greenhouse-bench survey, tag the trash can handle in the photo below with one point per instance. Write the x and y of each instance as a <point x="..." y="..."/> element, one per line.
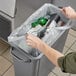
<point x="13" y="45"/>
<point x="20" y="59"/>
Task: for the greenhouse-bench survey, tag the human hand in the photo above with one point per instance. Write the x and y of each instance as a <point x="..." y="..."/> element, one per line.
<point x="34" y="41"/>
<point x="69" y="12"/>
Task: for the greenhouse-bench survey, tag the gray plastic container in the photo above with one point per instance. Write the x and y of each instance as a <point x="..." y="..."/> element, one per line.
<point x="34" y="63"/>
<point x="25" y="65"/>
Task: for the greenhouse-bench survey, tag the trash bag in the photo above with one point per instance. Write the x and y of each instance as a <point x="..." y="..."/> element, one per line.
<point x="18" y="36"/>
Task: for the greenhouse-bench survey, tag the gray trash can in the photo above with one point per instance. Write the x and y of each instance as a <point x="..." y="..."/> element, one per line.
<point x="33" y="62"/>
<point x="25" y="66"/>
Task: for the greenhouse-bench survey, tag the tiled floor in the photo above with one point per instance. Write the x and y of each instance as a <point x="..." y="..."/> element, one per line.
<point x="6" y="62"/>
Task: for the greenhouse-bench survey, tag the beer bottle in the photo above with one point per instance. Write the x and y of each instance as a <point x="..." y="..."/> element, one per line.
<point x="34" y="24"/>
<point x="42" y="21"/>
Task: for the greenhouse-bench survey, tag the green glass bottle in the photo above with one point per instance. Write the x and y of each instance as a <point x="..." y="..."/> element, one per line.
<point x="42" y="21"/>
<point x="34" y="24"/>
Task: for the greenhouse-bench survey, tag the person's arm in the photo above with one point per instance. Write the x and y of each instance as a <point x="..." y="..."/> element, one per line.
<point x="69" y="12"/>
<point x="67" y="63"/>
<point x="49" y="52"/>
<point x="52" y="54"/>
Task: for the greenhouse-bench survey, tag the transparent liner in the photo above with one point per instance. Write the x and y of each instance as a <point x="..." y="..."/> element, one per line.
<point x="20" y="33"/>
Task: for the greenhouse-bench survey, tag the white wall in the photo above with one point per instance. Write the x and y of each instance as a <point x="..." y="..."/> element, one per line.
<point x="8" y="7"/>
<point x="36" y="3"/>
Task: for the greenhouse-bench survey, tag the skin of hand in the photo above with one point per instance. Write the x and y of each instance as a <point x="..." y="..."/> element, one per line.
<point x="69" y="12"/>
<point x="49" y="52"/>
<point x="34" y="41"/>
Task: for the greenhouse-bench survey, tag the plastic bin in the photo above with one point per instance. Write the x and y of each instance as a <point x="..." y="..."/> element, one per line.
<point x="34" y="63"/>
<point x="24" y="66"/>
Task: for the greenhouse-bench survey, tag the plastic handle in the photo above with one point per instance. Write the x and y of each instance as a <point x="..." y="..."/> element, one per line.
<point x="20" y="59"/>
<point x="27" y="54"/>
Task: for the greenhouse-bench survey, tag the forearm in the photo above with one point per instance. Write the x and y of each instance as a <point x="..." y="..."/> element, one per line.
<point x="51" y="53"/>
<point x="75" y="16"/>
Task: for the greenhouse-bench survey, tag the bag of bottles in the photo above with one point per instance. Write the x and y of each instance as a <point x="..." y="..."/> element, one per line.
<point x="47" y="23"/>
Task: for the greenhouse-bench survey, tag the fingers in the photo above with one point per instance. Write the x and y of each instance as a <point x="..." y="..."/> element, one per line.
<point x="65" y="11"/>
<point x="31" y="43"/>
<point x="28" y="36"/>
<point x="32" y="38"/>
<point x="28" y="39"/>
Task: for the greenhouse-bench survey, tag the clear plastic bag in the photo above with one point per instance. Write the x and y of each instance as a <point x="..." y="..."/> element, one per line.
<point x="18" y="36"/>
